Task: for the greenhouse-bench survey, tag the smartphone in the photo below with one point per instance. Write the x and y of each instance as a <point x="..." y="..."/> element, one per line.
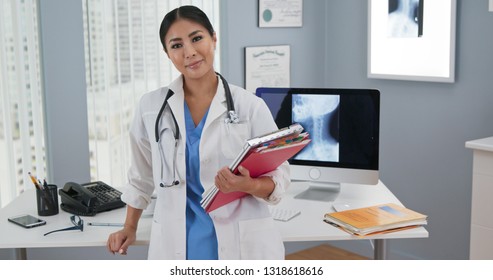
<point x="27" y="221"/>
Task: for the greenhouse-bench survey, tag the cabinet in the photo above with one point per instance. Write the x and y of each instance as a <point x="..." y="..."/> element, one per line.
<point x="481" y="246"/>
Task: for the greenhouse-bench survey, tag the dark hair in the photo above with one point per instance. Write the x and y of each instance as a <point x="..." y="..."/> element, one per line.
<point x="191" y="13"/>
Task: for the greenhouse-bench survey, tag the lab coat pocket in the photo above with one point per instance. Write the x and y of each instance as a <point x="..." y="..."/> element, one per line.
<point x="233" y="138"/>
<point x="157" y="242"/>
<point x="260" y="240"/>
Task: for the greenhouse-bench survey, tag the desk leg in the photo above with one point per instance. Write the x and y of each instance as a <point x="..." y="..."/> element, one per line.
<point x="20" y="254"/>
<point x="380" y="251"/>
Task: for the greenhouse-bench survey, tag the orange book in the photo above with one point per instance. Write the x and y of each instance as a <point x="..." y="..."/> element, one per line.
<point x="376" y="219"/>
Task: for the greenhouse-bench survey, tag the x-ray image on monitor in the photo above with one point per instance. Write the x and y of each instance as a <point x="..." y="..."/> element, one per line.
<point x="344" y="128"/>
<point x="319" y="115"/>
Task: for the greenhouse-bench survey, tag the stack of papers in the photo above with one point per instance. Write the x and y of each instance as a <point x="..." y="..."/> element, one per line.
<point x="376" y="219"/>
<point x="260" y="155"/>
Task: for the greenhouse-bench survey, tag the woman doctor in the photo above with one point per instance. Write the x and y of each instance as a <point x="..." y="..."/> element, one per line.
<point x="182" y="140"/>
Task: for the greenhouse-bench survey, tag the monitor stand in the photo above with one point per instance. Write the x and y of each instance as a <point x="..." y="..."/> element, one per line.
<point x="326" y="192"/>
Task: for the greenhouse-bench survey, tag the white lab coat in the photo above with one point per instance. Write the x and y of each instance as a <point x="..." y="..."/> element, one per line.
<point x="244" y="228"/>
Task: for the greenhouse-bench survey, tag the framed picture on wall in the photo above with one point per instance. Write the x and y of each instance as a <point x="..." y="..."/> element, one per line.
<point x="280" y="13"/>
<point x="412" y="40"/>
<point x="267" y="66"/>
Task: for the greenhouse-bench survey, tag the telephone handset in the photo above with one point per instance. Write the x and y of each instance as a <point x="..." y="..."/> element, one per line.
<point x="90" y="198"/>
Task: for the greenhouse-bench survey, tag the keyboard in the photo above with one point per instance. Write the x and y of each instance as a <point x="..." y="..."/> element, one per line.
<point x="283" y="215"/>
<point x="109" y="197"/>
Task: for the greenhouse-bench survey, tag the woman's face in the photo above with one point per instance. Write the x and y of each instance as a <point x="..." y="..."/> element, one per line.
<point x="191" y="48"/>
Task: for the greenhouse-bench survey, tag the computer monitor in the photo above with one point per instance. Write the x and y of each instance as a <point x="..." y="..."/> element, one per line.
<point x="344" y="127"/>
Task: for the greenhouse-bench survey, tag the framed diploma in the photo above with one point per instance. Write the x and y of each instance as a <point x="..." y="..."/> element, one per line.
<point x="280" y="13"/>
<point x="267" y="66"/>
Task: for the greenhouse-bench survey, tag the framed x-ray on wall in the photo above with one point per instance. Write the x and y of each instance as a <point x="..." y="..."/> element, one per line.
<point x="412" y="40"/>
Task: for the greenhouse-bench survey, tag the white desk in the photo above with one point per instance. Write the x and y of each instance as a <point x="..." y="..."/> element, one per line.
<point x="308" y="226"/>
<point x="16" y="237"/>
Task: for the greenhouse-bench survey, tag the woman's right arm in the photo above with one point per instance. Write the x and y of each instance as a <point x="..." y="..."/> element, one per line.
<point x="137" y="193"/>
<point x="118" y="242"/>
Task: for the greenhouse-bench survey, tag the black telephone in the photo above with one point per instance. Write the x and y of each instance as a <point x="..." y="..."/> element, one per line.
<point x="90" y="198"/>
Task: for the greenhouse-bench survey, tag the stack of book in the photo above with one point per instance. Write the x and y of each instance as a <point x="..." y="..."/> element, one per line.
<point x="260" y="155"/>
<point x="376" y="219"/>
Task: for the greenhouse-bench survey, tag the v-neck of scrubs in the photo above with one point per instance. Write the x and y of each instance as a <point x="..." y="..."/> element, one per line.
<point x="201" y="235"/>
<point x="193" y="132"/>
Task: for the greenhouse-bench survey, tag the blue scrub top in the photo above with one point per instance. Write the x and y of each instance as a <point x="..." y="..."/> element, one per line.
<point x="201" y="235"/>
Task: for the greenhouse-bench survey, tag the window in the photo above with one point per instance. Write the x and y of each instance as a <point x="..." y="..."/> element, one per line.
<point x="124" y="60"/>
<point x="21" y="109"/>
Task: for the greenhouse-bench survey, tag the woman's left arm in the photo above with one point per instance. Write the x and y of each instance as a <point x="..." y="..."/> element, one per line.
<point x="226" y="181"/>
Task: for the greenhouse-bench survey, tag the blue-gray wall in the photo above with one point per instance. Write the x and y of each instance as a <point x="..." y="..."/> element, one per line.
<point x="64" y="87"/>
<point x="424" y="125"/>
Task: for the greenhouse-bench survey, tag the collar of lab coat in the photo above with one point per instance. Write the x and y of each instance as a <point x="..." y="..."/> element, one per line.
<point x="218" y="106"/>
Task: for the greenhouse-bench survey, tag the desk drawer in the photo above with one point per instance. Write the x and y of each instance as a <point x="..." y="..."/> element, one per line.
<point x="481" y="245"/>
<point x="483" y="162"/>
<point x="482" y="200"/>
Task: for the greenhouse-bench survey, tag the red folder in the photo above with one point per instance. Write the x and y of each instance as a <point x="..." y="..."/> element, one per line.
<point x="258" y="162"/>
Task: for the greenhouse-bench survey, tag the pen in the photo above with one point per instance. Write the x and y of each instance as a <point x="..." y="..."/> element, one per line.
<point x="35" y="181"/>
<point x="44" y="195"/>
<point x="106" y="224"/>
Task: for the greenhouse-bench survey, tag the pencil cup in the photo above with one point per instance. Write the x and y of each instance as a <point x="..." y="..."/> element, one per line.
<point x="47" y="200"/>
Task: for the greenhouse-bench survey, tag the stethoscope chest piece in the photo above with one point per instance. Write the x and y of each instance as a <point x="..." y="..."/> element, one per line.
<point x="232" y="118"/>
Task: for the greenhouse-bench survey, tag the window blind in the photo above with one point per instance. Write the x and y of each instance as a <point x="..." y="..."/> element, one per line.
<point x="124" y="60"/>
<point x="22" y="146"/>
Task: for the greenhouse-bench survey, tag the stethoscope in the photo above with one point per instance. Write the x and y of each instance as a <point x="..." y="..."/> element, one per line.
<point x="231" y="117"/>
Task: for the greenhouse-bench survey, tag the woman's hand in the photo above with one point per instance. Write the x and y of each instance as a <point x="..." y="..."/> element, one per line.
<point x="118" y="242"/>
<point x="227" y="182"/>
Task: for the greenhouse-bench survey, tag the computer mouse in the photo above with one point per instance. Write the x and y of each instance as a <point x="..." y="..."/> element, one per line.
<point x="341" y="206"/>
